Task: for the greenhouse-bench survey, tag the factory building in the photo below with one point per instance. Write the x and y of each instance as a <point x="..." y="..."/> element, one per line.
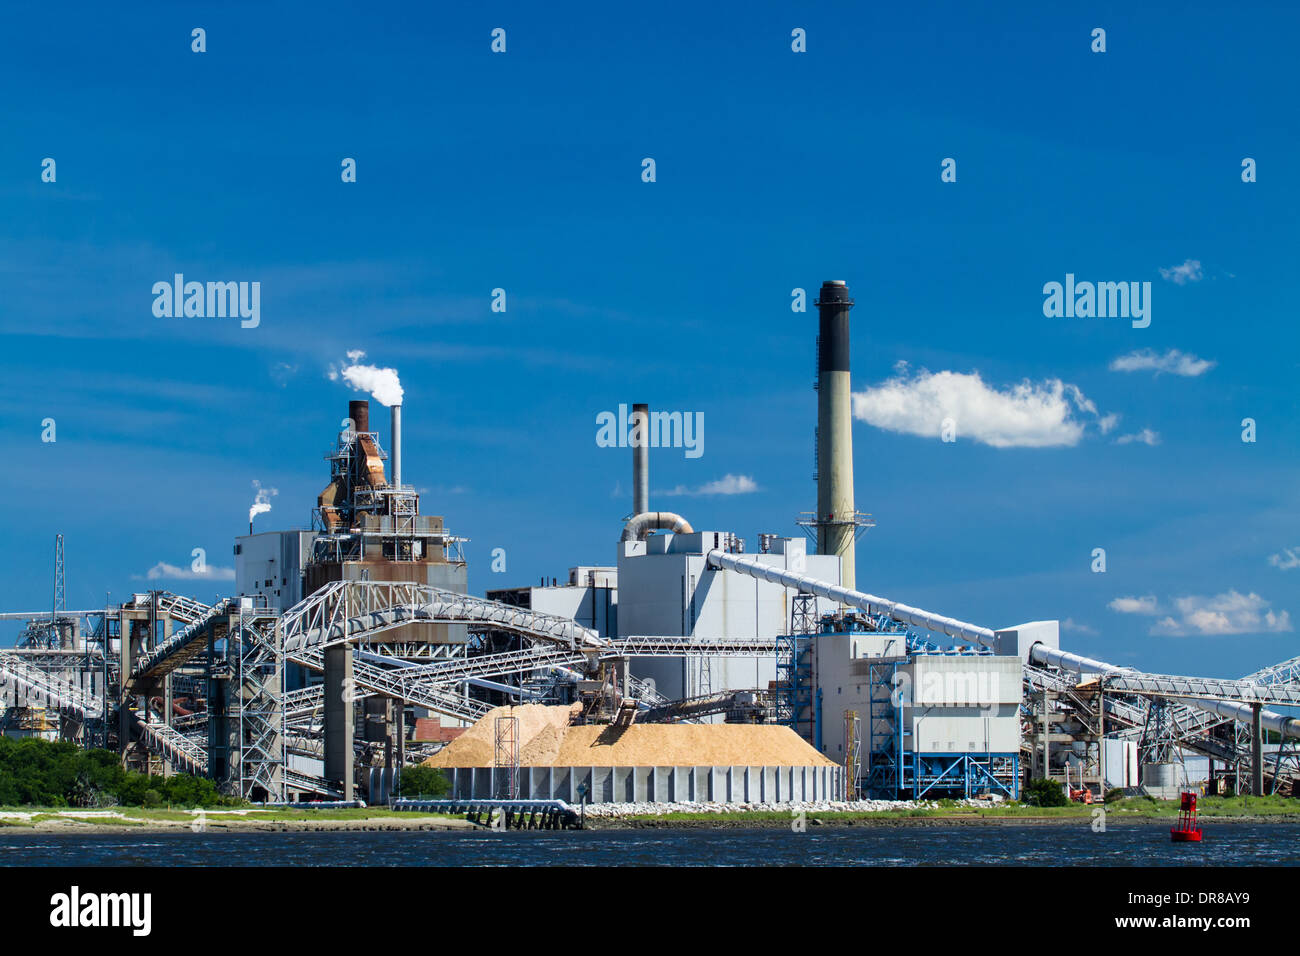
<point x="667" y="589"/>
<point x="364" y="527"/>
<point x="371" y="528"/>
<point x="589" y="595"/>
<point x="911" y="719"/>
<point x="272" y="565"/>
<point x="634" y="663"/>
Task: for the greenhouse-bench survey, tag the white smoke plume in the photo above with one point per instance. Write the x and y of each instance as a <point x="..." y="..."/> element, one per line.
<point x="382" y="383"/>
<point x="261" y="500"/>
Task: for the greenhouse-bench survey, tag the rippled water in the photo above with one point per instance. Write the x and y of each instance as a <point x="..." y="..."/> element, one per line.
<point x="1142" y="845"/>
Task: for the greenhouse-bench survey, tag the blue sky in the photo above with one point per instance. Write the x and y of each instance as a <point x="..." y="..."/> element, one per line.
<point x="775" y="170"/>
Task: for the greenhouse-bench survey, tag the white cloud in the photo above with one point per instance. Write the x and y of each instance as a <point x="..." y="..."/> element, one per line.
<point x="1287" y="560"/>
<point x="1189" y="271"/>
<point x="1146" y="436"/>
<point x="1173" y="361"/>
<point x="726" y="485"/>
<point x="1069" y="624"/>
<point x="1028" y="415"/>
<point x="1227" y="613"/>
<point x="164" y="571"/>
<point x="281" y="372"/>
<point x="1134" y="605"/>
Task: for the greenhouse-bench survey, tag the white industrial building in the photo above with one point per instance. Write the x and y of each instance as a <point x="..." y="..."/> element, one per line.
<point x="667" y="589"/>
<point x="271" y="564"/>
<point x="948" y="703"/>
<point x="588" y="596"/>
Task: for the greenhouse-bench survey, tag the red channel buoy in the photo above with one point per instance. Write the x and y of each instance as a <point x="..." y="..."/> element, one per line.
<point x="1187" y="830"/>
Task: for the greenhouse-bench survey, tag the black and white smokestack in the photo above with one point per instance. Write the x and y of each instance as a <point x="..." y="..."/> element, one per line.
<point x="836" y="527"/>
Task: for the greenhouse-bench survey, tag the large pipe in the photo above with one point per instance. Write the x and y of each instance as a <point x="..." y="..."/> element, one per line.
<point x="640" y="459"/>
<point x="639" y="525"/>
<point x="396" y="453"/>
<point x="843" y="595"/>
<point x="1075" y="663"/>
<point x="836" y="514"/>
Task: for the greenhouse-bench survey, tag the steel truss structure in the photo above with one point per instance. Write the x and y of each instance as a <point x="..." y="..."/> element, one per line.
<point x="345" y="610"/>
<point x="182" y="646"/>
<point x="393" y="682"/>
<point x="506" y="757"/>
<point x="41" y="687"/>
<point x="187" y="753"/>
<point x="687" y="646"/>
<point x="1201" y="688"/>
<point x="257" y="680"/>
<point x="961" y="775"/>
<point x="242" y="652"/>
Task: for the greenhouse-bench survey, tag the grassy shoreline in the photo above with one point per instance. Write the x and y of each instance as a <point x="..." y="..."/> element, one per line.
<point x="1134" y="810"/>
<point x="1130" y="810"/>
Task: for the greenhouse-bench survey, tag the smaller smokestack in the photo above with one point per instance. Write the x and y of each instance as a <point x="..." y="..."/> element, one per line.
<point x="396" y="458"/>
<point x="359" y="412"/>
<point x="640" y="459"/>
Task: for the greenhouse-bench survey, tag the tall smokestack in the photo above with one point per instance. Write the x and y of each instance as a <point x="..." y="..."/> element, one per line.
<point x="836" y="529"/>
<point x="640" y="459"/>
<point x="359" y="412"/>
<point x="397" y="446"/>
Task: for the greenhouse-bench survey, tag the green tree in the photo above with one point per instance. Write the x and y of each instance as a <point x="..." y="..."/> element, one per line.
<point x="424" y="782"/>
<point x="1042" y="792"/>
<point x="35" y="772"/>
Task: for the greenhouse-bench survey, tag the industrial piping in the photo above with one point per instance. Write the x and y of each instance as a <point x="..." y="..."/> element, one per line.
<point x="639" y="525"/>
<point x="867" y="602"/>
<point x="1075" y="663"/>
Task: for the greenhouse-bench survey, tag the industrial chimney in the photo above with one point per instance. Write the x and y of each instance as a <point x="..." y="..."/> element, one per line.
<point x="396" y="454"/>
<point x="836" y="514"/>
<point x="640" y="459"/>
<point x="359" y="412"/>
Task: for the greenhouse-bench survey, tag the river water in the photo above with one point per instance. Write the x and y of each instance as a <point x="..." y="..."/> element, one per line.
<point x="1238" y="844"/>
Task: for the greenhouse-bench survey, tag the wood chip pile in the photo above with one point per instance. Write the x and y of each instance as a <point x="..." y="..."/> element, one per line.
<point x="546" y="739"/>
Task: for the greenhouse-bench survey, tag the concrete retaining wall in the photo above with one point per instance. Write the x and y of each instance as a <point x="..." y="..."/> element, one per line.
<point x="654" y="784"/>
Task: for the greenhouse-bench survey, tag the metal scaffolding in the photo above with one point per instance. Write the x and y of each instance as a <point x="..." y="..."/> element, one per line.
<point x="506" y="757"/>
